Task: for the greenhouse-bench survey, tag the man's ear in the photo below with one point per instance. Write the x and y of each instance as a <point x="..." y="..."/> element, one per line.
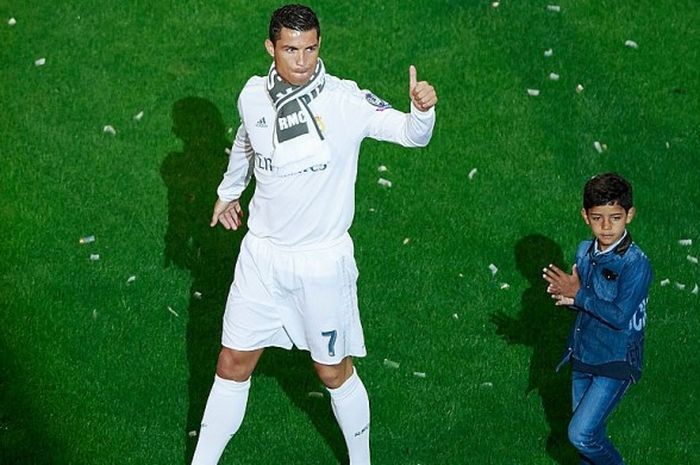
<point x="584" y="214"/>
<point x="270" y="47"/>
<point x="630" y="215"/>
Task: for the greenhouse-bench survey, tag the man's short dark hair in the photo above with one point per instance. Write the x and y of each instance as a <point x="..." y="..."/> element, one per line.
<point x="607" y="189"/>
<point x="297" y="17"/>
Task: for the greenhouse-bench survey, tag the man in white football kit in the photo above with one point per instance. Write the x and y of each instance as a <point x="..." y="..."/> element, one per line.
<point x="295" y="278"/>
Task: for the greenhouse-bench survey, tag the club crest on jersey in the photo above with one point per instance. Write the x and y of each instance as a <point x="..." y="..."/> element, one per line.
<point x="377" y="102"/>
<point x="321" y="125"/>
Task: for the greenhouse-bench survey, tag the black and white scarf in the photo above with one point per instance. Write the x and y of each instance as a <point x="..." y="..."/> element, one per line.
<point x="298" y="141"/>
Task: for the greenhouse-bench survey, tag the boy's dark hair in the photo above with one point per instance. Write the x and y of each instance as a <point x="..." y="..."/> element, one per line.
<point x="297" y="17"/>
<point x="607" y="189"/>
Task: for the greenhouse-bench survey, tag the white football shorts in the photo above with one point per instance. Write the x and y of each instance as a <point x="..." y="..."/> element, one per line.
<point x="303" y="297"/>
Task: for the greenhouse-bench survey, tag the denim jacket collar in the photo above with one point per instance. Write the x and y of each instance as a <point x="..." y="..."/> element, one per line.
<point x="620" y="248"/>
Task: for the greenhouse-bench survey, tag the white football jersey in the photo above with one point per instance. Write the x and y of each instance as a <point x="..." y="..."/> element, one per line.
<point x="316" y="205"/>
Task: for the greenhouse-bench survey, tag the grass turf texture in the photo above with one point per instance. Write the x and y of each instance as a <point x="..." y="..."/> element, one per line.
<point x="94" y="370"/>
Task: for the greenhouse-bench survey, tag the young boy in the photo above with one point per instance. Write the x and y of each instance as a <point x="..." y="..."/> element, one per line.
<point x="609" y="288"/>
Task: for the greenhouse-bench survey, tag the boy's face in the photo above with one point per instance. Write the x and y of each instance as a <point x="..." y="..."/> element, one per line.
<point x="608" y="223"/>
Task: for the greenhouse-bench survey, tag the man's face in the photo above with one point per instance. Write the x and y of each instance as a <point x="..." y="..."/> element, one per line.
<point x="608" y="223"/>
<point x="295" y="54"/>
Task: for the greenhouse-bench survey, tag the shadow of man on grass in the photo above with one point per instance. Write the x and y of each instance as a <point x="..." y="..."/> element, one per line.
<point x="543" y="327"/>
<point x="192" y="176"/>
<point x="293" y="370"/>
<point x="209" y="254"/>
<point x="23" y="434"/>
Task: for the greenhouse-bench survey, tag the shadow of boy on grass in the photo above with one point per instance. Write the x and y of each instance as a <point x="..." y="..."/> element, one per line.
<point x="544" y="328"/>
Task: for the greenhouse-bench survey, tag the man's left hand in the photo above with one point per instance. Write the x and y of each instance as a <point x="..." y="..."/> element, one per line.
<point x="422" y="93"/>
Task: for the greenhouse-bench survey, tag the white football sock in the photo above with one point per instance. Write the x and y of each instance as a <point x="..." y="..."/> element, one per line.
<point x="223" y="416"/>
<point x="351" y="408"/>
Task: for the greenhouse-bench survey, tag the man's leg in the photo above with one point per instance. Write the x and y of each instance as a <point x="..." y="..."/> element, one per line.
<point x="226" y="405"/>
<point x="350" y="405"/>
<point x="594" y="399"/>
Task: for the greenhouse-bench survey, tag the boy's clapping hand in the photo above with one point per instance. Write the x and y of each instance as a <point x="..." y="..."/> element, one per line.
<point x="562" y="286"/>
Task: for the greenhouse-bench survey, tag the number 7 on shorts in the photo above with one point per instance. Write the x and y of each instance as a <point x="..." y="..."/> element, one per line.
<point x="332" y="335"/>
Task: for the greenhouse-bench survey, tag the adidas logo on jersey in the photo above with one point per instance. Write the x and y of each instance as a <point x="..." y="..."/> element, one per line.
<point x="261" y="123"/>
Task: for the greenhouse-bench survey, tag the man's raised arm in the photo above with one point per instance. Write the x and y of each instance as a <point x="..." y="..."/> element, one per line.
<point x="412" y="129"/>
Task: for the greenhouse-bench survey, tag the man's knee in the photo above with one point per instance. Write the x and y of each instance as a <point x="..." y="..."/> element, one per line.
<point x="333" y="376"/>
<point x="237" y="365"/>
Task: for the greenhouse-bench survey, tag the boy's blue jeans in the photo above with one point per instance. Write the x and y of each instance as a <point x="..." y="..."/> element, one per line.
<point x="594" y="398"/>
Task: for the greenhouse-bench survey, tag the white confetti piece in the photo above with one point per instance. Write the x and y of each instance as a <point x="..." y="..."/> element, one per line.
<point x="109" y="129"/>
<point x="554" y="8"/>
<point x="488" y="384"/>
<point x="192" y="434"/>
<point x="40" y="62"/>
<point x="315" y="395"/>
<point x="460" y="275"/>
<point x="419" y="374"/>
<point x="131" y="279"/>
<point x="553" y="77"/>
<point x="533" y="92"/>
<point x="631" y="44"/>
<point x="504" y="286"/>
<point x="197" y="295"/>
<point x="685" y="242"/>
<point x="665" y="282"/>
<point x="691" y="259"/>
<point x="406" y="241"/>
<point x="495" y="4"/>
<point x="472" y="173"/>
<point x="493" y="268"/>
<point x="94" y="257"/>
<point x="94" y="313"/>
<point x="372" y="210"/>
<point x="382" y="169"/>
<point x="12" y="21"/>
<point x="229" y="131"/>
<point x="86" y="239"/>
<point x="668" y="146"/>
<point x="455" y="316"/>
<point x="227" y="151"/>
<point x="138" y="116"/>
<point x="579" y="88"/>
<point x="390" y="363"/>
<point x="384" y="182"/>
<point x="549" y="52"/>
<point x="598" y="146"/>
<point x="680" y="286"/>
<point x="170" y="309"/>
<point x="695" y="289"/>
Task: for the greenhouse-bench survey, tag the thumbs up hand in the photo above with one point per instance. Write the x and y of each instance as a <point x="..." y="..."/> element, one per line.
<point x="422" y="93"/>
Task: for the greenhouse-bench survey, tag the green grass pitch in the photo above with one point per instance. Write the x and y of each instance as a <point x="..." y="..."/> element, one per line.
<point x="96" y="368"/>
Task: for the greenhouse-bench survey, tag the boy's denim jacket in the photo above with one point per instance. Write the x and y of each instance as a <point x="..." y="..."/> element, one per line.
<point x="611" y="305"/>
